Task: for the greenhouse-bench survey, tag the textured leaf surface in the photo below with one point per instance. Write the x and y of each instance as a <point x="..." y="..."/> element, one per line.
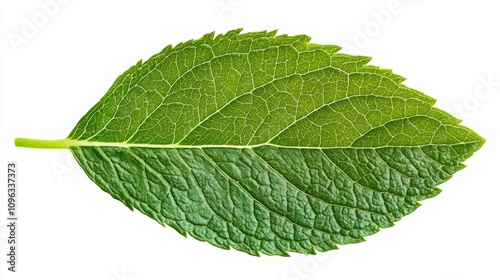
<point x="268" y="143"/>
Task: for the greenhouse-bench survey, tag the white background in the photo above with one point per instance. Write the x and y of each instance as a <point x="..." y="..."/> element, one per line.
<point x="70" y="229"/>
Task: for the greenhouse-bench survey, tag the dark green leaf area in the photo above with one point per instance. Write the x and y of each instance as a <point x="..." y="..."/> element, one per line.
<point x="269" y="199"/>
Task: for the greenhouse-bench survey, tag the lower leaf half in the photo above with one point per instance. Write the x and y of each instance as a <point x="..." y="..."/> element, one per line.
<point x="270" y="199"/>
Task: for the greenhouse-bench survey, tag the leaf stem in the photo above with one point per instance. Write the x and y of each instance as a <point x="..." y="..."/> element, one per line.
<point x="42" y="144"/>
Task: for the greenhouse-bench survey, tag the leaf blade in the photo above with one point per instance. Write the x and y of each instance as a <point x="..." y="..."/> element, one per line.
<point x="268" y="144"/>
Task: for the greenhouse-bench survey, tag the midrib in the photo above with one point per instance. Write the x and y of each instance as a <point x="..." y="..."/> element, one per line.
<point x="68" y="143"/>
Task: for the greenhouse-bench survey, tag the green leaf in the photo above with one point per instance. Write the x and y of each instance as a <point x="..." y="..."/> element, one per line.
<point x="267" y="144"/>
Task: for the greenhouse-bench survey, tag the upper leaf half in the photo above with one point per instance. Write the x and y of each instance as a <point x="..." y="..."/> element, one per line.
<point x="258" y="88"/>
